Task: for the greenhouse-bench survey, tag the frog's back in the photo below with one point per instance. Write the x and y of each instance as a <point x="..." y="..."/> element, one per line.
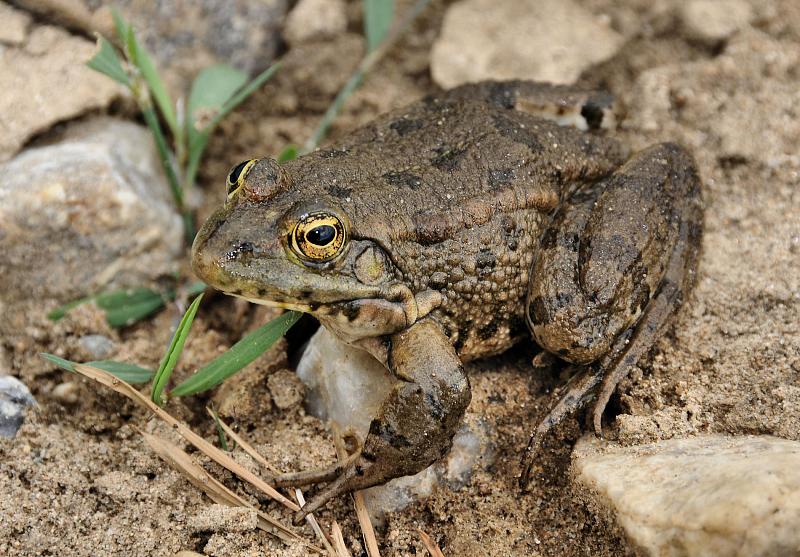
<point x="443" y="163"/>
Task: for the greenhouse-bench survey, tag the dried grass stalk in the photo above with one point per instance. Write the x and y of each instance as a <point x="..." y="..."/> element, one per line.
<point x="430" y="545"/>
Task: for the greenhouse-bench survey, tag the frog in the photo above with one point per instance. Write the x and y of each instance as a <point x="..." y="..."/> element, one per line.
<point x="451" y="229"/>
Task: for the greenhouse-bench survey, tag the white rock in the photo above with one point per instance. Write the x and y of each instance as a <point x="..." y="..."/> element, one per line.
<point x="90" y="211"/>
<point x="347" y="387"/>
<point x="712" y="21"/>
<point x="315" y="20"/>
<point x="702" y="496"/>
<point x="13" y="25"/>
<point x="45" y="80"/>
<point x="546" y="40"/>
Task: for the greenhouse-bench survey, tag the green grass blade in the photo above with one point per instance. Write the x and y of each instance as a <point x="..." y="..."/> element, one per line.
<point x="213" y="87"/>
<point x="120" y="25"/>
<point x="378" y="15"/>
<point x="142" y="60"/>
<point x="238" y="356"/>
<point x="129" y="373"/>
<point x="164" y="155"/>
<point x="223" y="440"/>
<point x="107" y="62"/>
<point x="173" y="352"/>
<point x="289" y="153"/>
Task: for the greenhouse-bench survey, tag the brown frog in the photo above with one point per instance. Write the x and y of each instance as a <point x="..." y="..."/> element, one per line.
<point x="453" y="228"/>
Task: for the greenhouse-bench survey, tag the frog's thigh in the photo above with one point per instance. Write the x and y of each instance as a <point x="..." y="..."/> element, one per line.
<point x="606" y="253"/>
<point x="565" y="104"/>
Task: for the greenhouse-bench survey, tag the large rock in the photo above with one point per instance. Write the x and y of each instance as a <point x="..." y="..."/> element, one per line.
<point x="347" y="387"/>
<point x="45" y="79"/>
<point x="546" y="40"/>
<point x="702" y="496"/>
<point x="90" y="211"/>
<point x="184" y="35"/>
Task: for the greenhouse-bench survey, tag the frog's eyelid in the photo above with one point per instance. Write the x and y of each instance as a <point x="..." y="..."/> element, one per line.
<point x="236" y="176"/>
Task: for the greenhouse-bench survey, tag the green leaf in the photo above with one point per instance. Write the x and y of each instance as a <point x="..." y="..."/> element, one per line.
<point x="378" y="15"/>
<point x="289" y="153"/>
<point x="125" y="307"/>
<point x="61" y="311"/>
<point x="213" y="87"/>
<point x="238" y="356"/>
<point x="142" y="60"/>
<point x="242" y="94"/>
<point x="198" y="139"/>
<point x="173" y="353"/>
<point x="107" y="62"/>
<point x="130" y="373"/>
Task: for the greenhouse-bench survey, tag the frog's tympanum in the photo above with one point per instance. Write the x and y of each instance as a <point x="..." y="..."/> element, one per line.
<point x="453" y="228"/>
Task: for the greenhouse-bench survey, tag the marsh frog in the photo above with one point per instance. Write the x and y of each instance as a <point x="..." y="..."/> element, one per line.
<point x="453" y="228"/>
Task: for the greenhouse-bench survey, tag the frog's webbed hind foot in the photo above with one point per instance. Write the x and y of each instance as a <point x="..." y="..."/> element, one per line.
<point x="576" y="393"/>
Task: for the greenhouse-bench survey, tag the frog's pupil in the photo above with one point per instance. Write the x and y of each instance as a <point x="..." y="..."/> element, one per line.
<point x="321" y="235"/>
<point x="233" y="177"/>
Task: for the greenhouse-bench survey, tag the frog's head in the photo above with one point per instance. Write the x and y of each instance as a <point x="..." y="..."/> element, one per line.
<point x="276" y="244"/>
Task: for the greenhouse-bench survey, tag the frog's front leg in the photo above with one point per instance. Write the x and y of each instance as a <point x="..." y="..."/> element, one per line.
<point x="612" y="269"/>
<point x="416" y="423"/>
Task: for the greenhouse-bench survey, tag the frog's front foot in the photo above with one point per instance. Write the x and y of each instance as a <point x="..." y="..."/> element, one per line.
<point x="415" y="425"/>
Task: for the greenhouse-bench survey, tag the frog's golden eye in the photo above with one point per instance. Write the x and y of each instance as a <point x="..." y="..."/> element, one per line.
<point x="237" y="175"/>
<point x="318" y="237"/>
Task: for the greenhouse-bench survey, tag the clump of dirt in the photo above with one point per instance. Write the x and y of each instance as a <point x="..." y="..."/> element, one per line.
<point x="78" y="479"/>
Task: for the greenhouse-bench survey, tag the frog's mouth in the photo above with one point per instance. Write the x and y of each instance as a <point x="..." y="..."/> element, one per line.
<point x="293" y="306"/>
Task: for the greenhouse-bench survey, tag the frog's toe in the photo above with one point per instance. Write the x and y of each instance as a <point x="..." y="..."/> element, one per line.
<point x="310" y="477"/>
<point x="358" y="473"/>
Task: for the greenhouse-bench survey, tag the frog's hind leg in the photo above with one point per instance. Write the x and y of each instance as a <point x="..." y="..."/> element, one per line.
<point x="567" y="105"/>
<point x="612" y="269"/>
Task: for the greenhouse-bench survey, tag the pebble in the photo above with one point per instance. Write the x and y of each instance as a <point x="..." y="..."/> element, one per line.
<point x="14" y="398"/>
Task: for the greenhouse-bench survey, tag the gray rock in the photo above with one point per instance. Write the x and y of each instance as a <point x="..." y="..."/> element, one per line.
<point x="45" y="79"/>
<point x="84" y="214"/>
<point x="14" y="398"/>
<point x="546" y="40"/>
<point x="98" y="347"/>
<point x="701" y="496"/>
<point x="712" y="21"/>
<point x="315" y="20"/>
<point x="347" y="387"/>
<point x="184" y="36"/>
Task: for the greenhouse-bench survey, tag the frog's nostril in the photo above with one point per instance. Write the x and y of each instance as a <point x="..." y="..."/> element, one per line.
<point x="242" y="250"/>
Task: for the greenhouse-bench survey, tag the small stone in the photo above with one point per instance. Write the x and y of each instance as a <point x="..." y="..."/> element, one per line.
<point x="221" y="518"/>
<point x="14" y="398"/>
<point x="35" y="75"/>
<point x="286" y="389"/>
<point x="705" y="495"/>
<point x="66" y="393"/>
<point x="99" y="347"/>
<point x="544" y="40"/>
<point x="85" y="214"/>
<point x="712" y="21"/>
<point x="13" y="25"/>
<point x="315" y="20"/>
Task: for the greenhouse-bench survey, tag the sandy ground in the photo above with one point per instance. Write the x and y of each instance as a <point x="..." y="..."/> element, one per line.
<point x="79" y="480"/>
